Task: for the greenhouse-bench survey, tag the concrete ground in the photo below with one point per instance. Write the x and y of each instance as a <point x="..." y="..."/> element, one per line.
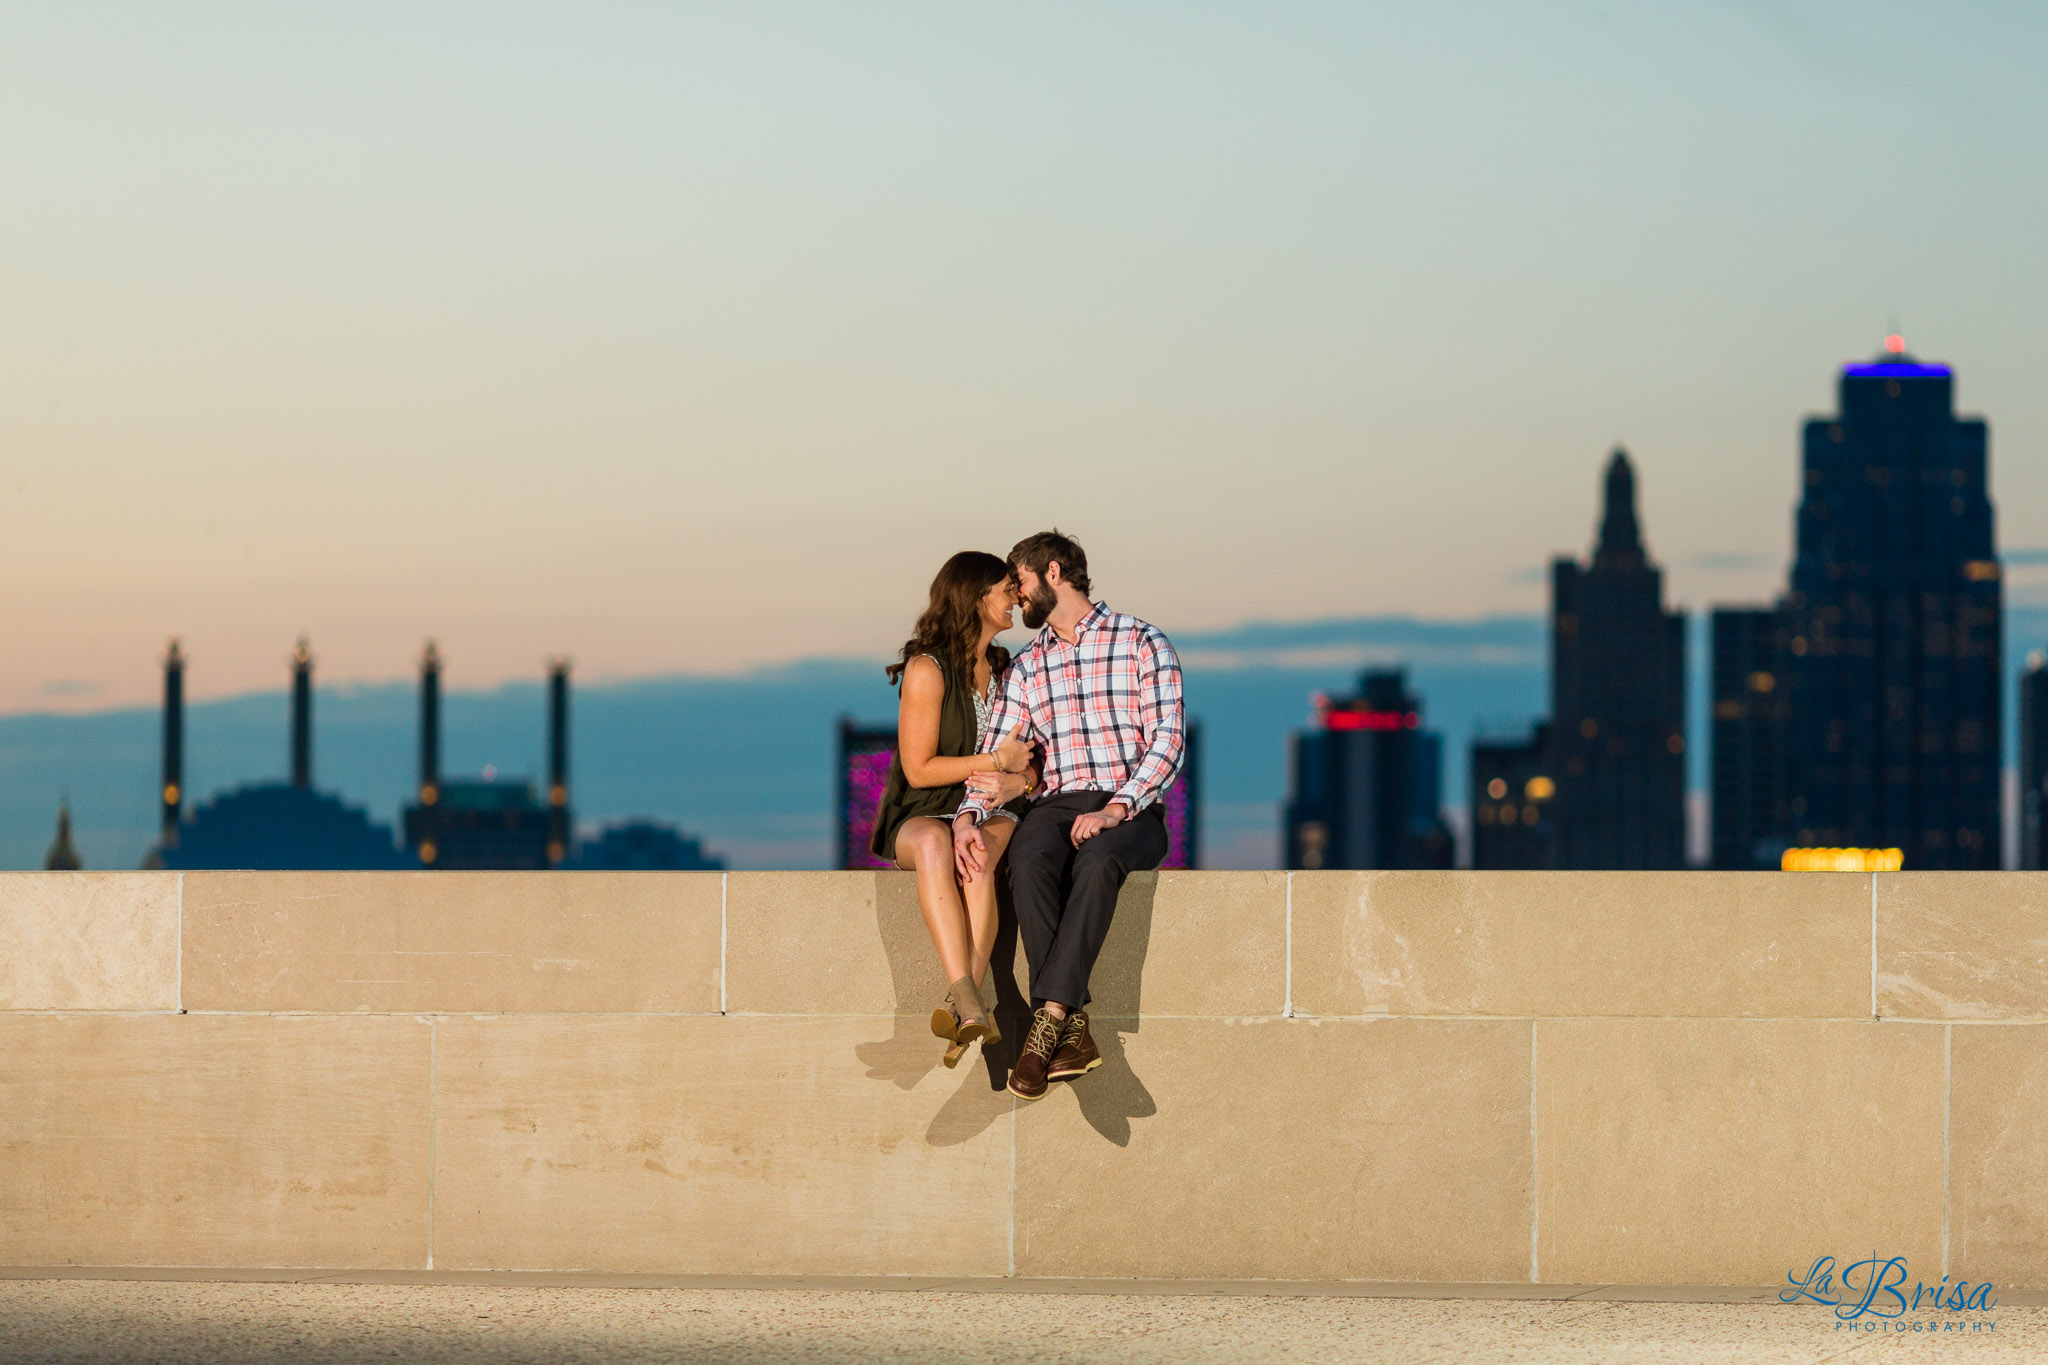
<point x="174" y="1317"/>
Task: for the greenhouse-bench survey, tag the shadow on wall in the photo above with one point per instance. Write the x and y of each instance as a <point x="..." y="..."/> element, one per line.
<point x="1110" y="1097"/>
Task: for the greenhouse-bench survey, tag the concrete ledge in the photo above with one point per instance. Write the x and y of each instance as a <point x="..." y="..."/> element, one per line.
<point x="89" y="940"/>
<point x="261" y="1139"/>
<point x="404" y="942"/>
<point x="1182" y="943"/>
<point x="1654" y="1136"/>
<point x="1579" y="944"/>
<point x="1317" y="1078"/>
<point x="1366" y="1149"/>
<point x="1962" y="945"/>
<point x="744" y="1145"/>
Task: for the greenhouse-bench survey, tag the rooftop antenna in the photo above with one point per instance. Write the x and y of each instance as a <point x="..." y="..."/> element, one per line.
<point x="1894" y="337"/>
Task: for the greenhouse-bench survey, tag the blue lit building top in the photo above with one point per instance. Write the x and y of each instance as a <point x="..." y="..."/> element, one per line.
<point x="1894" y="363"/>
<point x="1894" y="369"/>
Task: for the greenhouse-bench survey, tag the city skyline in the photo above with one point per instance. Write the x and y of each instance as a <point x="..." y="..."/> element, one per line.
<point x="536" y="334"/>
<point x="745" y="759"/>
<point x="1889" y="468"/>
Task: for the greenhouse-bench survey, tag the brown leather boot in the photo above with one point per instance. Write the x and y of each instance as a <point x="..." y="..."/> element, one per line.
<point x="1076" y="1054"/>
<point x="1027" y="1078"/>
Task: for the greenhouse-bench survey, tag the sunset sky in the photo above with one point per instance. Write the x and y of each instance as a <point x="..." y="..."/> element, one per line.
<point x="679" y="338"/>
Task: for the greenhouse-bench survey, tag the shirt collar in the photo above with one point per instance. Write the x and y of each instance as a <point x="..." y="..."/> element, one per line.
<point x="1097" y="615"/>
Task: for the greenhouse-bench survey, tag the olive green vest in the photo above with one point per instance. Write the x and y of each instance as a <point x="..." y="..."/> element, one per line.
<point x="900" y="800"/>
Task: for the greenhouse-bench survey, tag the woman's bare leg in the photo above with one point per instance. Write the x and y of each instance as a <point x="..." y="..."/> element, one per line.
<point x="979" y="892"/>
<point x="925" y="846"/>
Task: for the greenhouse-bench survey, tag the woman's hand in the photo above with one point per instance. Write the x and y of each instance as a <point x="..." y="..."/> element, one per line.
<point x="1013" y="755"/>
<point x="1000" y="788"/>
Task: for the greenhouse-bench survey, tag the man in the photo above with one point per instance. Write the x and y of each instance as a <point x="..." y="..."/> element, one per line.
<point x="1101" y="694"/>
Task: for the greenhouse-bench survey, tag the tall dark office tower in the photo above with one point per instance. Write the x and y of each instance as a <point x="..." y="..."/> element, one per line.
<point x="173" y="792"/>
<point x="1617" y="697"/>
<point x="558" y="761"/>
<point x="302" y="715"/>
<point x="1367" y="783"/>
<point x="2034" y="762"/>
<point x="1894" y="616"/>
<point x="1749" y="719"/>
<point x="1512" y="792"/>
<point x="430" y="725"/>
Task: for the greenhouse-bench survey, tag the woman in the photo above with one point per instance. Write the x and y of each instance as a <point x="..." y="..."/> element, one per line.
<point x="949" y="671"/>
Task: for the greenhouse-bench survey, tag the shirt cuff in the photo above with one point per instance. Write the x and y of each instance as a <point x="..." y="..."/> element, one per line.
<point x="1131" y="798"/>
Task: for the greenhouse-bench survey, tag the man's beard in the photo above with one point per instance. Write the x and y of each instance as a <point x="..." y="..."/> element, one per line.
<point x="1038" y="607"/>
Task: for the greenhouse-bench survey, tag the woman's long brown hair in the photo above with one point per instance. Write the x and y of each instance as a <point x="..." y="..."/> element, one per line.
<point x="951" y="625"/>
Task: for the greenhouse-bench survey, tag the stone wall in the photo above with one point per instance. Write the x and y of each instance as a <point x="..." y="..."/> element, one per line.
<point x="1682" y="1078"/>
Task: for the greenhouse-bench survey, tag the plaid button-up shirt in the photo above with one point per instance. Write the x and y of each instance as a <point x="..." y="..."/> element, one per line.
<point x="1106" y="709"/>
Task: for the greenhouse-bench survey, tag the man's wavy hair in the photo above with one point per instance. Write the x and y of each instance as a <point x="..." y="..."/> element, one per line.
<point x="1049" y="547"/>
<point x="951" y="625"/>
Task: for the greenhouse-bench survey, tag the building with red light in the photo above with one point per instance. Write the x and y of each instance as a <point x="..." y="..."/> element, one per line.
<point x="1367" y="782"/>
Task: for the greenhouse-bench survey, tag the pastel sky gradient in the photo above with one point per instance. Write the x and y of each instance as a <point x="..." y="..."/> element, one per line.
<point x="684" y="337"/>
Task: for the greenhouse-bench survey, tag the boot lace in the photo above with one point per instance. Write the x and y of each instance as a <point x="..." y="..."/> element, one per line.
<point x="1044" y="1038"/>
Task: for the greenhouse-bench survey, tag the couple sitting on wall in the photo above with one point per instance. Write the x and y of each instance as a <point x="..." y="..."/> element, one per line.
<point x="1050" y="765"/>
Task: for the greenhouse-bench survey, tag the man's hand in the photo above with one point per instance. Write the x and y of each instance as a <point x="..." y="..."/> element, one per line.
<point x="1000" y="788"/>
<point x="970" y="850"/>
<point x="1088" y="826"/>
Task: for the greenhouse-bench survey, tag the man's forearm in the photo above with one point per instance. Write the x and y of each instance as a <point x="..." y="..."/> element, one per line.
<point x="1155" y="771"/>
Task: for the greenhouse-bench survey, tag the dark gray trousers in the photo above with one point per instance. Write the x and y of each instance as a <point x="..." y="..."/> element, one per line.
<point x="1066" y="896"/>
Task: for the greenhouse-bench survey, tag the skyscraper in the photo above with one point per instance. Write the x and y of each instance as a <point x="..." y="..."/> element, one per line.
<point x="1893" y="619"/>
<point x="1367" y="782"/>
<point x="1617" y="696"/>
<point x="864" y="755"/>
<point x="2033" y="761"/>
<point x="1748" y="692"/>
<point x="1512" y="792"/>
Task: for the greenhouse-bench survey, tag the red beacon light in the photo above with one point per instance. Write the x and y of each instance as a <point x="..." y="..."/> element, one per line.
<point x="1371" y="720"/>
<point x="1895" y="343"/>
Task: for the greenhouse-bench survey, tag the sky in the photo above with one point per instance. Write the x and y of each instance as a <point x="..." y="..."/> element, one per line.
<point x="686" y="339"/>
